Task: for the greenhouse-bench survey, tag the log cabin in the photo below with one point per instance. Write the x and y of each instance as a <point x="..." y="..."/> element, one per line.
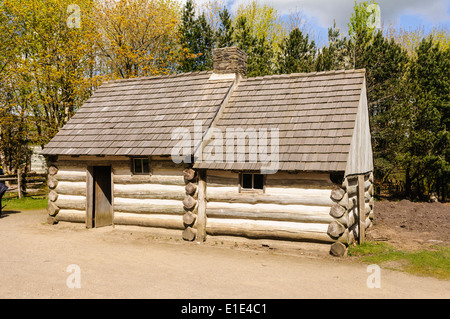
<point x="156" y="152"/>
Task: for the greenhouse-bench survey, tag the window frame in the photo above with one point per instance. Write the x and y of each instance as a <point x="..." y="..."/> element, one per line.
<point x="142" y="159"/>
<point x="253" y="189"/>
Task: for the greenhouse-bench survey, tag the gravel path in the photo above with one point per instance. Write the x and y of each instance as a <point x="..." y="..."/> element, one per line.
<point x="129" y="262"/>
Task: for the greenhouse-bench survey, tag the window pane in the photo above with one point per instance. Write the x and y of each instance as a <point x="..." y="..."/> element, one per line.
<point x="138" y="166"/>
<point x="145" y="165"/>
<point x="258" y="181"/>
<point x="247" y="181"/>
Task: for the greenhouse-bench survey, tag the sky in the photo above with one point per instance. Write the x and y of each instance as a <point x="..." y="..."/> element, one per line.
<point x="319" y="14"/>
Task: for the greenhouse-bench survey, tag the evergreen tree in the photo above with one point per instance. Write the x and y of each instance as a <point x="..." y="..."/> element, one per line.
<point x="335" y="56"/>
<point x="426" y="143"/>
<point x="360" y="32"/>
<point x="224" y="34"/>
<point x="297" y="53"/>
<point x="197" y="40"/>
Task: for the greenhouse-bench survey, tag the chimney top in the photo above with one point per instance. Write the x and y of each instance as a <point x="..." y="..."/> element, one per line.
<point x="230" y="61"/>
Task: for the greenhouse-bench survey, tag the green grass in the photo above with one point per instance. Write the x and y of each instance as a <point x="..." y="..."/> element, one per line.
<point x="434" y="263"/>
<point x="26" y="203"/>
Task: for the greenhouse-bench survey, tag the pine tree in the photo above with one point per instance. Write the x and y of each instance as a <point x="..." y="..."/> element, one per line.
<point x="197" y="40"/>
<point x="297" y="53"/>
<point x="224" y="34"/>
<point x="335" y="56"/>
<point x="426" y="145"/>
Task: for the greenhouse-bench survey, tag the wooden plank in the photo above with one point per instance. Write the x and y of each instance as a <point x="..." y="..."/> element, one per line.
<point x="201" y="213"/>
<point x="103" y="212"/>
<point x="19" y="183"/>
<point x="90" y="197"/>
<point x="361" y="210"/>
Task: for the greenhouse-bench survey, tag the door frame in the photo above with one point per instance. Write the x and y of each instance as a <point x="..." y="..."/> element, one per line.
<point x="90" y="185"/>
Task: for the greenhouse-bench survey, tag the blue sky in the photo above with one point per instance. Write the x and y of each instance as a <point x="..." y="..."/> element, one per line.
<point x="319" y="14"/>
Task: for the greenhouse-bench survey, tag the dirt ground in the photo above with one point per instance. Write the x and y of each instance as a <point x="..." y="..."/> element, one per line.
<point x="411" y="226"/>
<point x="133" y="262"/>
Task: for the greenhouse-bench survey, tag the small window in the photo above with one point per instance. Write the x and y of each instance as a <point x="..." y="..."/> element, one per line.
<point x="141" y="166"/>
<point x="252" y="181"/>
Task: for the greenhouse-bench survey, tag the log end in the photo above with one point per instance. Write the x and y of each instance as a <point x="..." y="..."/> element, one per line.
<point x="338" y="249"/>
<point x="52" y="220"/>
<point x="189" y="203"/>
<point x="189" y="174"/>
<point x="52" y="209"/>
<point x="337" y="211"/>
<point x="189" y="234"/>
<point x="52" y="170"/>
<point x="335" y="229"/>
<point x="191" y="189"/>
<point x="337" y="194"/>
<point x="189" y="219"/>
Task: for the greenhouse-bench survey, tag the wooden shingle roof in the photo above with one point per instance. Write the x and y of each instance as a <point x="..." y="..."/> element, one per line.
<point x="136" y="117"/>
<point x="315" y="114"/>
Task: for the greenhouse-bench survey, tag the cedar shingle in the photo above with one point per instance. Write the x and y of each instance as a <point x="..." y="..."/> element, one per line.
<point x="315" y="115"/>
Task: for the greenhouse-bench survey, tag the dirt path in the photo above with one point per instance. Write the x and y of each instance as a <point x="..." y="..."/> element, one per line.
<point x="128" y="262"/>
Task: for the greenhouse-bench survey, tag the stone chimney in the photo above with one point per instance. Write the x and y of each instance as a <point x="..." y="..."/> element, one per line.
<point x="230" y="61"/>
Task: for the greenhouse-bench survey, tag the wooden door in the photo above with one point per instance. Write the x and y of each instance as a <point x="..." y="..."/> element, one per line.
<point x="102" y="199"/>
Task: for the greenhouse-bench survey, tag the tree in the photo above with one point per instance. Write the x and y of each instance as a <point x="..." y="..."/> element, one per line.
<point x="197" y="40"/>
<point x="297" y="53"/>
<point x="225" y="32"/>
<point x="360" y="31"/>
<point x="335" y="56"/>
<point x="426" y="144"/>
<point x="137" y="37"/>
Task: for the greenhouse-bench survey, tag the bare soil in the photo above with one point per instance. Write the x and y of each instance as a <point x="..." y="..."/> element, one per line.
<point x="411" y="226"/>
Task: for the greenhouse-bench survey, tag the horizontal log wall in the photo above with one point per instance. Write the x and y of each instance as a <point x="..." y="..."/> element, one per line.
<point x="154" y="200"/>
<point x="67" y="191"/>
<point x="291" y="207"/>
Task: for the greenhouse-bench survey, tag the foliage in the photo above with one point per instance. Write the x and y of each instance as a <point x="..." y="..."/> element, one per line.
<point x="138" y="37"/>
<point x="197" y="40"/>
<point x="433" y="263"/>
<point x="49" y="69"/>
<point x="225" y="31"/>
<point x="297" y="53"/>
<point x="335" y="56"/>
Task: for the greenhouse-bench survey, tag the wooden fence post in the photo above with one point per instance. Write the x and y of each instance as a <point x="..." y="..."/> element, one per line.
<point x="19" y="183"/>
<point x="361" y="210"/>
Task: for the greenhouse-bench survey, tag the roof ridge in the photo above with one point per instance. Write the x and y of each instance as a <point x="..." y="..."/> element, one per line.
<point x="306" y="74"/>
<point x="168" y="76"/>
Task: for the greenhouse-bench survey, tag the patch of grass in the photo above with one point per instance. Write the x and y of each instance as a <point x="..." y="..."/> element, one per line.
<point x="25" y="203"/>
<point x="434" y="263"/>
